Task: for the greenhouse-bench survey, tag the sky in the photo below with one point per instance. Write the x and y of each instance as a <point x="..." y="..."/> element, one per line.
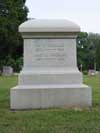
<point x="85" y="13"/>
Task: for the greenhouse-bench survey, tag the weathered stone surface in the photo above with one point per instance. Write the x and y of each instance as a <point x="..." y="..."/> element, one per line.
<point x="7" y="71"/>
<point x="50" y="77"/>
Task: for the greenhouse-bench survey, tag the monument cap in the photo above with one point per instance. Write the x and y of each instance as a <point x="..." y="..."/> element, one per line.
<point x="49" y="25"/>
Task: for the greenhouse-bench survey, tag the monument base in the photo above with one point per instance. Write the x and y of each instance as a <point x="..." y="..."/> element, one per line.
<point x="48" y="96"/>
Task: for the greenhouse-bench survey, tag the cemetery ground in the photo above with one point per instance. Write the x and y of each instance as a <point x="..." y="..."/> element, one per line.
<point x="56" y="120"/>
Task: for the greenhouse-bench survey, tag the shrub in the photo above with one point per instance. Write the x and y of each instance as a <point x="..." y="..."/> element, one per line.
<point x="18" y="64"/>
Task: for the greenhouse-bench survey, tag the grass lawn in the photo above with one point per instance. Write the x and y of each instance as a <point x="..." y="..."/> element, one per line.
<point x="49" y="120"/>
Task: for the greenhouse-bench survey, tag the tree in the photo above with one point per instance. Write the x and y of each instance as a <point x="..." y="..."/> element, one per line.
<point x="82" y="50"/>
<point x="88" y="46"/>
<point x="93" y="49"/>
<point x="98" y="55"/>
<point x="12" y="14"/>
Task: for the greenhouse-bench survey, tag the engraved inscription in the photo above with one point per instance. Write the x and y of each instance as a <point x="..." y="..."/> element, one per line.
<point x="49" y="53"/>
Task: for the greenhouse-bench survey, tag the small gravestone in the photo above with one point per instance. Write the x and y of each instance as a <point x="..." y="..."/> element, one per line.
<point x="92" y="72"/>
<point x="50" y="77"/>
<point x="7" y="71"/>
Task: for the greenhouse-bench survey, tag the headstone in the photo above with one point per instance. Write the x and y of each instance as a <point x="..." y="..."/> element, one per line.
<point x="92" y="72"/>
<point x="50" y="77"/>
<point x="7" y="71"/>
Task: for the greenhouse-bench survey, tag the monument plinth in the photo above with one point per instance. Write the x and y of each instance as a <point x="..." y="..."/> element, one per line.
<point x="50" y="77"/>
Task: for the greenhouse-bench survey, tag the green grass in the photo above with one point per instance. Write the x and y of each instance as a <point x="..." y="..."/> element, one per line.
<point x="49" y="120"/>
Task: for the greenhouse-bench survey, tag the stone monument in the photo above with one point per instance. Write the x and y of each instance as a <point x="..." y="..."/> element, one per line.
<point x="7" y="71"/>
<point x="50" y="77"/>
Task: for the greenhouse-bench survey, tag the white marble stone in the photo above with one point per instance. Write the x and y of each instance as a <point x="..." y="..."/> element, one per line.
<point x="7" y="71"/>
<point x="49" y="25"/>
<point x="50" y="77"/>
<point x="50" y="53"/>
<point x="44" y="96"/>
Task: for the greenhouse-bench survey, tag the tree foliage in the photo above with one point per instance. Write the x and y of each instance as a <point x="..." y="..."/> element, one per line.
<point x="88" y="47"/>
<point x="12" y="14"/>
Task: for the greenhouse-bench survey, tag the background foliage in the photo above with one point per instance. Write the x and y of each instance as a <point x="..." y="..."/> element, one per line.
<point x="88" y="49"/>
<point x="13" y="13"/>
